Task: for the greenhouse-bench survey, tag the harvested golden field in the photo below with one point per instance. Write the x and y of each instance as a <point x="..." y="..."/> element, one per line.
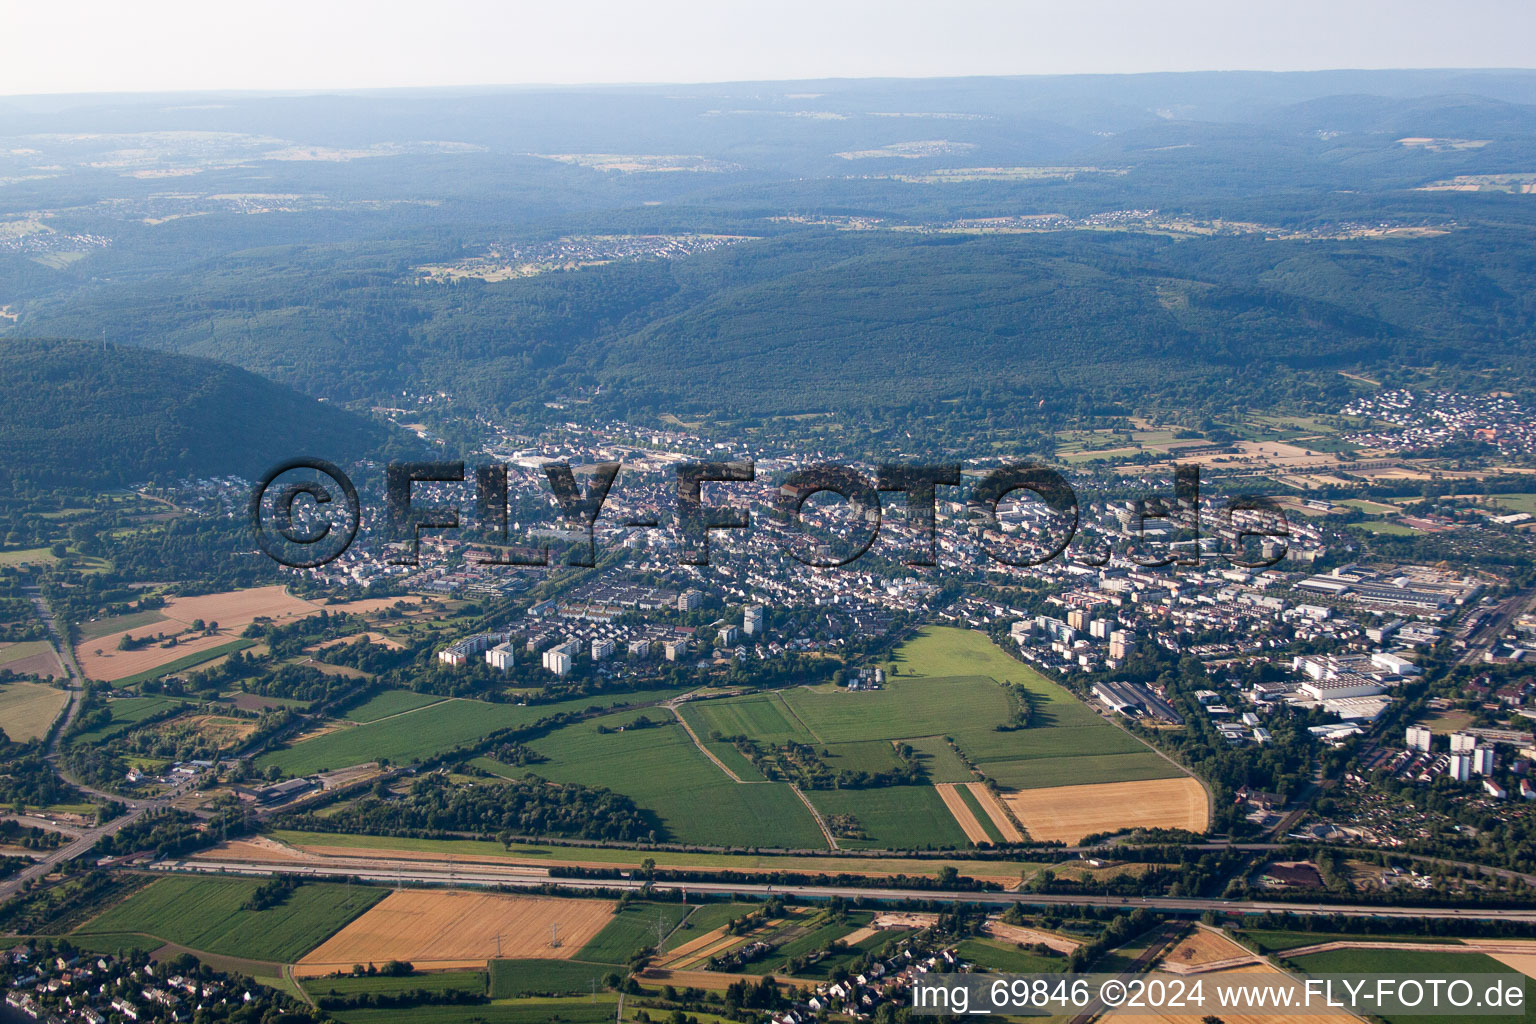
<point x="447" y="928"/>
<point x="995" y="810"/>
<point x="1204" y="946"/>
<point x="1068" y="813"/>
<point x="28" y="709"/>
<point x="233" y="610"/>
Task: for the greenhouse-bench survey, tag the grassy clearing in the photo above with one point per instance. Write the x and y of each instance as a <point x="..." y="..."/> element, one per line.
<point x="391" y="702"/>
<point x="940" y="759"/>
<point x="513" y="978"/>
<point x="431" y="730"/>
<point x="23" y="556"/>
<point x="1006" y="958"/>
<point x="897" y="817"/>
<point x="117" y="624"/>
<point x="207" y="914"/>
<point x="632" y="929"/>
<point x="128" y="712"/>
<point x="662" y="770"/>
<point x="28" y="709"/>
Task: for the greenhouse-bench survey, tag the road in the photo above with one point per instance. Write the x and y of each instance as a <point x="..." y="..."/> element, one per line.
<point x="87" y="838"/>
<point x="429" y="873"/>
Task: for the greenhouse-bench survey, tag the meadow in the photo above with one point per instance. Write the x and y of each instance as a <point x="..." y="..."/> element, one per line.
<point x="632" y="929"/>
<point x="208" y="914"/>
<point x="435" y="981"/>
<point x="391" y="702"/>
<point x="946" y="685"/>
<point x="513" y="978"/>
<point x="431" y="730"/>
<point x="128" y="712"/>
<point x="1406" y="961"/>
<point x="894" y="817"/>
<point x="662" y="770"/>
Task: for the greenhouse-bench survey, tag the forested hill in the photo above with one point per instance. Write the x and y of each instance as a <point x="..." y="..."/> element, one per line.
<point x="81" y="412"/>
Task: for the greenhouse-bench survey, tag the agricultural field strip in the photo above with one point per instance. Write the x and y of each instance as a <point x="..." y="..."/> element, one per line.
<point x="949" y="793"/>
<point x="997" y="811"/>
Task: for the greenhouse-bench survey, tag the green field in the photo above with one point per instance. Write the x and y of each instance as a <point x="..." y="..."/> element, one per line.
<point x="513" y="978"/>
<point x="1042" y="773"/>
<point x="436" y="981"/>
<point x="821" y="935"/>
<point x="632" y="929"/>
<point x="1388" y="528"/>
<point x="205" y="914"/>
<point x="662" y="770"/>
<point x="424" y="733"/>
<point x="391" y="702"/>
<point x="703" y="919"/>
<point x="763" y="717"/>
<point x="186" y="661"/>
<point x="1517" y="502"/>
<point x="1415" y="962"/>
<point x="1007" y="958"/>
<point x="117" y="624"/>
<point x="895" y="817"/>
<point x="947" y="685"/>
<point x="940" y="760"/>
<point x="128" y="712"/>
<point x="21" y="556"/>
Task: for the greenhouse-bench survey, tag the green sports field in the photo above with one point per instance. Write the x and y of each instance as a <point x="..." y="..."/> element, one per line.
<point x="206" y="914"/>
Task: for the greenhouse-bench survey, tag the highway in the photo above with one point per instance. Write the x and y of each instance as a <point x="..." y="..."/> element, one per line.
<point x="430" y="873"/>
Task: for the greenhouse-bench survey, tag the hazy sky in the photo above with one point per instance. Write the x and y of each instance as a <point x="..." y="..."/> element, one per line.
<point x="136" y="45"/>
